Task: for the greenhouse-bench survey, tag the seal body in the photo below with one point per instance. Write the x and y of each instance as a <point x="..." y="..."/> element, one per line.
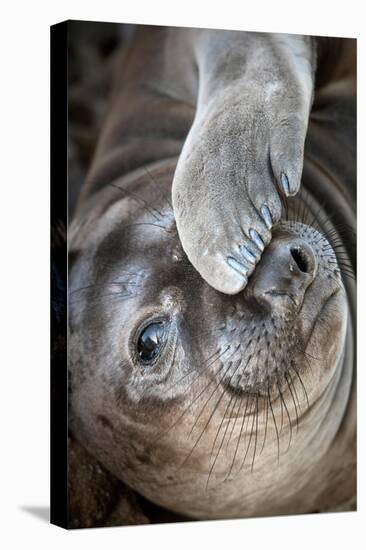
<point x="219" y="381"/>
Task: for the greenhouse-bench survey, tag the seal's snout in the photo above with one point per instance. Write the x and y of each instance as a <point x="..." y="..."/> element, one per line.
<point x="287" y="268"/>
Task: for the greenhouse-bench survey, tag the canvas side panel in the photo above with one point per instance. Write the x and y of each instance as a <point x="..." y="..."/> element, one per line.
<point x="59" y="274"/>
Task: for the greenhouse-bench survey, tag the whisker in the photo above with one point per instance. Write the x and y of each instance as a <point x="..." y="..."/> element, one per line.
<point x="163" y="434"/>
<point x="223" y="418"/>
<point x="217" y="385"/>
<point x="288" y="374"/>
<point x="239" y="439"/>
<point x="242" y="425"/>
<point x="294" y="402"/>
<point x="153" y="211"/>
<point x="175" y="384"/>
<point x="97" y="285"/>
<point x="275" y="425"/>
<point x="251" y="434"/>
<point x="146" y="223"/>
<point x="287" y="412"/>
<point x="222" y="440"/>
<point x="256" y="433"/>
<point x="265" y="426"/>
<point x="156" y="184"/>
<point x="95" y="302"/>
<point x="302" y="384"/>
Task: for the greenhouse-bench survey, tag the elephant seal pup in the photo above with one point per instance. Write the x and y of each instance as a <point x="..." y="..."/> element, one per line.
<point x="240" y="402"/>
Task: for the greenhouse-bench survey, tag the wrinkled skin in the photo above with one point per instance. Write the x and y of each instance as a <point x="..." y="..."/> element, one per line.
<point x="232" y="159"/>
<point x="247" y="408"/>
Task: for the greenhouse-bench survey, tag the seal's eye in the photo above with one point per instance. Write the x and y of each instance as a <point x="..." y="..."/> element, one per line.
<point x="151" y="341"/>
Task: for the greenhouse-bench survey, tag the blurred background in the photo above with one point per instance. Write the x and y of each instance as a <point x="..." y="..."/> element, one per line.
<point x="91" y="51"/>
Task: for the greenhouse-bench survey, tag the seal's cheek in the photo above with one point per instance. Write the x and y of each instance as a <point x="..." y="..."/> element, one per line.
<point x="326" y="343"/>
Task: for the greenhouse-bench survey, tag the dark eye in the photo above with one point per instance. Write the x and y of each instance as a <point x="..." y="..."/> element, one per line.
<point x="151" y="341"/>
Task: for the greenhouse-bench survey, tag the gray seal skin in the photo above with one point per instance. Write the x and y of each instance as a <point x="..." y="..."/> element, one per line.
<point x="211" y="338"/>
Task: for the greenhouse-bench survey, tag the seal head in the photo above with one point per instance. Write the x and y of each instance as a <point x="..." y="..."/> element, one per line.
<point x="211" y="405"/>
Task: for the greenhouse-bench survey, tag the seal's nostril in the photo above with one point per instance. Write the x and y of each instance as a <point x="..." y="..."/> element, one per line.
<point x="301" y="259"/>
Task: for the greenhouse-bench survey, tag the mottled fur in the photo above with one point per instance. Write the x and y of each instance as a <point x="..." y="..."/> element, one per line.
<point x="250" y="410"/>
